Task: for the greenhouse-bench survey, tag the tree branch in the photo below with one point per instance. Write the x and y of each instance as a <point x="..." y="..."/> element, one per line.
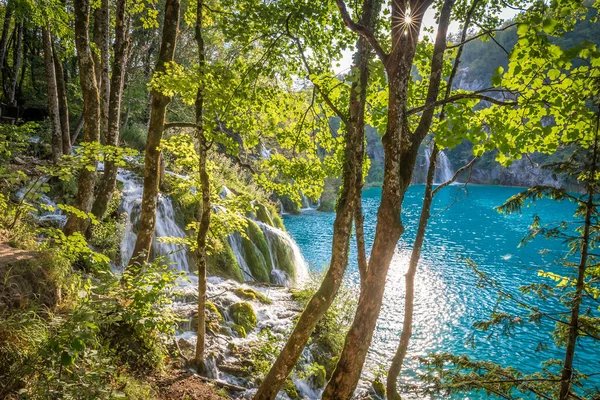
<point x="483" y="33"/>
<point x="461" y="96"/>
<point x="170" y="125"/>
<point x="455" y="176"/>
<point x="363" y="31"/>
<point x="333" y="107"/>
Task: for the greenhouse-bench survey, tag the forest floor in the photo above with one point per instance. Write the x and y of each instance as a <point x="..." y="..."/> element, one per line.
<point x="181" y="384"/>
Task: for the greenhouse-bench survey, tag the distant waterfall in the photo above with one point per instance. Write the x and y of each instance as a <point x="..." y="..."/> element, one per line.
<point x="166" y="225"/>
<point x="443" y="167"/>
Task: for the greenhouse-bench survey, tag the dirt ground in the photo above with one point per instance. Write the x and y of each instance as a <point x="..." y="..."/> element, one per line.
<point x="182" y="385"/>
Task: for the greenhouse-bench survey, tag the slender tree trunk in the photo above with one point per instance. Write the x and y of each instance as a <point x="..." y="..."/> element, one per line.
<point x="16" y="67"/>
<point x="145" y="236"/>
<point x="108" y="183"/>
<point x="400" y="149"/>
<point x="101" y="40"/>
<point x="78" y="129"/>
<point x="91" y="115"/>
<point x="63" y="104"/>
<point x="205" y="182"/>
<point x="342" y="227"/>
<point x="53" y="109"/>
<point x="5" y="32"/>
<point x="19" y="89"/>
<point x="567" y="371"/>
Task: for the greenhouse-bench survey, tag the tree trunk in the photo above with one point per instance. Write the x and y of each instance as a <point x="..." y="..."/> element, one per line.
<point x="567" y="371"/>
<point x="53" y="109"/>
<point x="342" y="227"/>
<point x="16" y="67"/>
<point x="101" y="40"/>
<point x="78" y="129"/>
<point x="409" y="297"/>
<point x="400" y="148"/>
<point x="5" y="32"/>
<point x="398" y="360"/>
<point x="108" y="183"/>
<point x="91" y="114"/>
<point x="159" y="103"/>
<point x="205" y="182"/>
<point x="63" y="104"/>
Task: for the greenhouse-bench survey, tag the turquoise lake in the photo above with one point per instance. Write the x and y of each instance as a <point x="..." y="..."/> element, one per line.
<point x="463" y="225"/>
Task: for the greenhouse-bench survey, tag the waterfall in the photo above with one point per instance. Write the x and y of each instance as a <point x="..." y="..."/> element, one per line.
<point x="166" y="225"/>
<point x="264" y="152"/>
<point x="285" y="256"/>
<point x="235" y="241"/>
<point x="305" y="202"/>
<point x="443" y="167"/>
<point x="287" y="264"/>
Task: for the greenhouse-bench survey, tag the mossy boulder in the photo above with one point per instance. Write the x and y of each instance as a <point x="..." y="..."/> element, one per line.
<point x="318" y="376"/>
<point x="256" y="252"/>
<point x="290" y="389"/>
<point x="263" y="214"/>
<point x="239" y="330"/>
<point x="278" y="222"/>
<point x="251" y="294"/>
<point x="210" y="306"/>
<point x="378" y="387"/>
<point x="243" y="314"/>
<point x="222" y="262"/>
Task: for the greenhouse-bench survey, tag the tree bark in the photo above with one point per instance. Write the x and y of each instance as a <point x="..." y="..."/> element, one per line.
<point x="121" y="49"/>
<point x="159" y="103"/>
<point x="205" y="182"/>
<point x="63" y="104"/>
<point x="16" y="67"/>
<point x="342" y="227"/>
<point x="400" y="150"/>
<point x="91" y="115"/>
<point x="53" y="109"/>
<point x="101" y="40"/>
<point x="5" y="31"/>
<point x="567" y="371"/>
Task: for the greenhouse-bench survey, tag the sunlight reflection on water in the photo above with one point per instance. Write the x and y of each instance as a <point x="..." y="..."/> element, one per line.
<point x="447" y="301"/>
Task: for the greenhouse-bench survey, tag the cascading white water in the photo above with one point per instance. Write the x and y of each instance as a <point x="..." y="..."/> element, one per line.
<point x="276" y="238"/>
<point x="443" y="167"/>
<point x="166" y="225"/>
<point x="305" y="202"/>
<point x="235" y="241"/>
<point x="264" y="152"/>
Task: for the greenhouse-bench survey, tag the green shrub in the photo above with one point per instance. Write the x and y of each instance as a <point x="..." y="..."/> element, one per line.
<point x="134" y="135"/>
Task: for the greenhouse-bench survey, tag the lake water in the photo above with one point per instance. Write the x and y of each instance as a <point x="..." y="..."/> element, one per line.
<point x="462" y="225"/>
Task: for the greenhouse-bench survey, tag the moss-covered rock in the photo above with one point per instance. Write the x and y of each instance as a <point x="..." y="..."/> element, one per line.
<point x="318" y="376"/>
<point x="210" y="306"/>
<point x="256" y="252"/>
<point x="290" y="389"/>
<point x="251" y="294"/>
<point x="243" y="314"/>
<point x="378" y="387"/>
<point x="263" y="214"/>
<point x="239" y="330"/>
<point x="223" y="263"/>
<point x="278" y="222"/>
